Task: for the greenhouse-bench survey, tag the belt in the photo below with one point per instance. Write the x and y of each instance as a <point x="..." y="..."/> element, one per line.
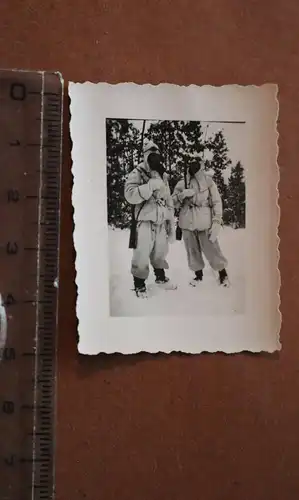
<point x="193" y="205"/>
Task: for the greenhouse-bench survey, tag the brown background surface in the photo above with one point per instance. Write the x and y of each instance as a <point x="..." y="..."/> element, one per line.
<point x="173" y="427"/>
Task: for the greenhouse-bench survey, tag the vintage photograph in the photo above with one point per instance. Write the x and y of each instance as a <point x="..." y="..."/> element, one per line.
<point x="176" y="200"/>
<point x="176" y="213"/>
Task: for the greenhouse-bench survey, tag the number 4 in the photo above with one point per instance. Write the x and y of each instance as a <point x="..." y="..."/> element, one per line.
<point x="10" y="300"/>
<point x="10" y="461"/>
<point x="13" y="195"/>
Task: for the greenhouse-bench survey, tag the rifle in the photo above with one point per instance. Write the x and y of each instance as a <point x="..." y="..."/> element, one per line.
<point x="178" y="231"/>
<point x="133" y="227"/>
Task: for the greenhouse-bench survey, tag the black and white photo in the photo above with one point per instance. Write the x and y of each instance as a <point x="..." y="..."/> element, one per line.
<point x="175" y="217"/>
<point x="175" y="192"/>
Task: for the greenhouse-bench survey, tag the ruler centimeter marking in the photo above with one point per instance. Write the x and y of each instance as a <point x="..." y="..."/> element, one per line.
<point x="30" y="170"/>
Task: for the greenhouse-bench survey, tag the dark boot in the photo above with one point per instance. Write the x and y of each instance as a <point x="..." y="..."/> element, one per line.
<point x="140" y="287"/>
<point x="199" y="275"/>
<point x="198" y="278"/>
<point x="160" y="276"/>
<point x="223" y="278"/>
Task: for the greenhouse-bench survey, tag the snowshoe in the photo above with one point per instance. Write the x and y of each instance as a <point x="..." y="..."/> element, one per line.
<point x="166" y="284"/>
<point x="197" y="279"/>
<point x="141" y="293"/>
<point x="163" y="281"/>
<point x="225" y="283"/>
<point x="195" y="282"/>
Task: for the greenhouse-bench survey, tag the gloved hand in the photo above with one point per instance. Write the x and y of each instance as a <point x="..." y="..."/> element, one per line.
<point x="155" y="184"/>
<point x="214" y="231"/>
<point x="186" y="193"/>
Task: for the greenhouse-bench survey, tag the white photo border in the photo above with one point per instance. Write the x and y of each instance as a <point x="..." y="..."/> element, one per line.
<point x="255" y="331"/>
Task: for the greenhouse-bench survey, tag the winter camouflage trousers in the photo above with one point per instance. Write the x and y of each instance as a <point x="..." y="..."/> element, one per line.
<point x="198" y="243"/>
<point x="152" y="247"/>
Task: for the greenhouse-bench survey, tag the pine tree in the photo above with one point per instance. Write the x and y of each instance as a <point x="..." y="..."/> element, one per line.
<point x="237" y="197"/>
<point x="219" y="163"/>
<point x="122" y="141"/>
<point x="180" y="143"/>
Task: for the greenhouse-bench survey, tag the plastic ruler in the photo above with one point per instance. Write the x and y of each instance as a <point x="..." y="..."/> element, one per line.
<point x="30" y="172"/>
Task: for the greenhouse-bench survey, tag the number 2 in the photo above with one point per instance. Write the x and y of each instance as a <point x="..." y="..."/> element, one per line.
<point x="13" y="195"/>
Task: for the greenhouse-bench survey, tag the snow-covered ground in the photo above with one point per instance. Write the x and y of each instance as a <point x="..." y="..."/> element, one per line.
<point x="207" y="299"/>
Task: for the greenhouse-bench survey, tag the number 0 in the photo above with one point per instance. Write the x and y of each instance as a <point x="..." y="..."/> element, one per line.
<point x="18" y="91"/>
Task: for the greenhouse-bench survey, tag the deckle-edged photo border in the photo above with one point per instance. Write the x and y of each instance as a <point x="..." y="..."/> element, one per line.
<point x="258" y="329"/>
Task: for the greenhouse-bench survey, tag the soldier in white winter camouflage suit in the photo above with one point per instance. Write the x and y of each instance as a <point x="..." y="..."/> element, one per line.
<point x="200" y="219"/>
<point x="147" y="188"/>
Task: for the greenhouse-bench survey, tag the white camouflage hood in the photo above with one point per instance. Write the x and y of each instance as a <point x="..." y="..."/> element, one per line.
<point x="147" y="146"/>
